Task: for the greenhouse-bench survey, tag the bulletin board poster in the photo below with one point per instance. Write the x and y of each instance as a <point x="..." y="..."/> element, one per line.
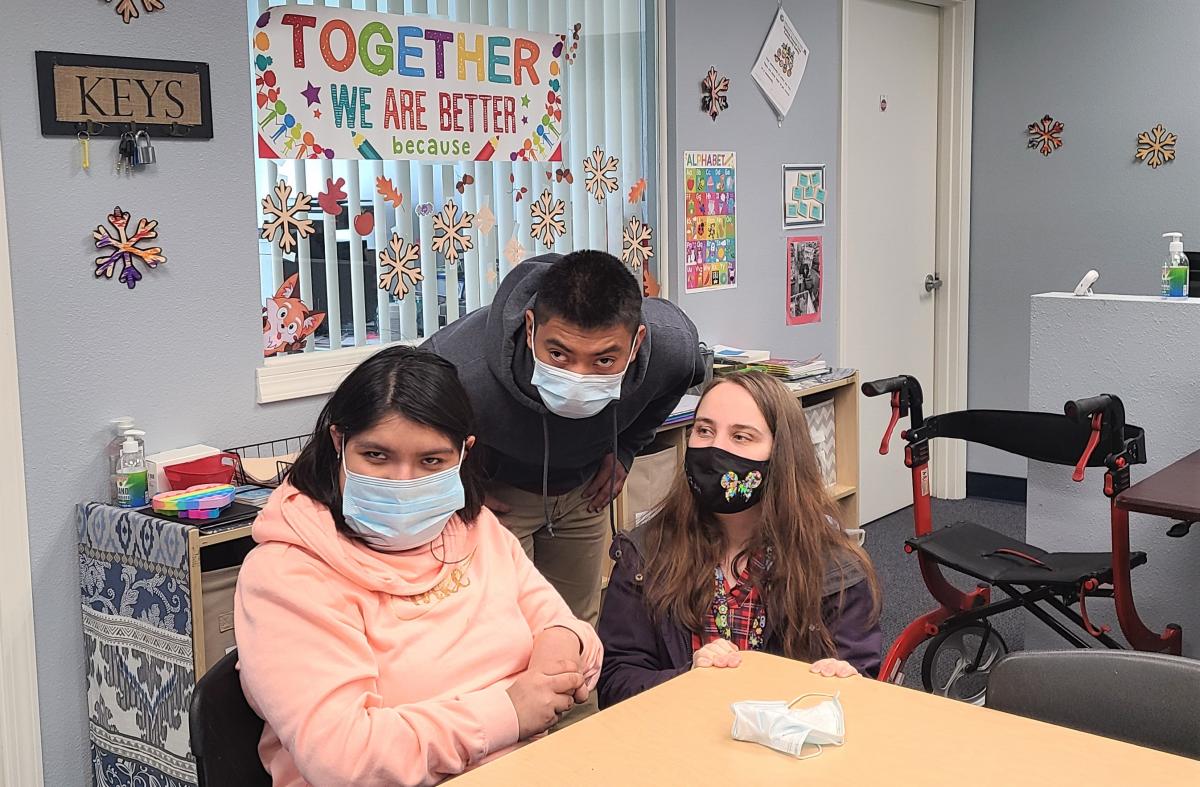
<point x="805" y="275"/>
<point x="339" y="83"/>
<point x="710" y="229"/>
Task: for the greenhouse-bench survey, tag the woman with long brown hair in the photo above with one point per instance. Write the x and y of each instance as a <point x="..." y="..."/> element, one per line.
<point x="746" y="553"/>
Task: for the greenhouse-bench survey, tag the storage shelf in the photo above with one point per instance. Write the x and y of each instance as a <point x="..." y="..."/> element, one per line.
<point x="842" y="491"/>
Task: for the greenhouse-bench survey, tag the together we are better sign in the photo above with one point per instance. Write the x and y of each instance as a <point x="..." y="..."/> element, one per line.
<point x="339" y="83"/>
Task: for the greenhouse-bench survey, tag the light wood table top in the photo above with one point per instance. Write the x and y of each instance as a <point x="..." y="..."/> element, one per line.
<point x="678" y="734"/>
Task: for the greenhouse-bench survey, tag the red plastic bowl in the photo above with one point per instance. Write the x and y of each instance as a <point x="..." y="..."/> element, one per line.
<point x="215" y="469"/>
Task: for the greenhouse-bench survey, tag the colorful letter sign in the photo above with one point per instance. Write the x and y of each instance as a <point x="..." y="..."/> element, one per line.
<point x="338" y="83"/>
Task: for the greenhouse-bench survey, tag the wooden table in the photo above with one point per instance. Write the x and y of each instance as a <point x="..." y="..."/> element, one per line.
<point x="1173" y="492"/>
<point x="678" y="734"/>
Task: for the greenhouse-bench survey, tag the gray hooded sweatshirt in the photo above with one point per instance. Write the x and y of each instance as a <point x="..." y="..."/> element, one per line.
<point x="523" y="439"/>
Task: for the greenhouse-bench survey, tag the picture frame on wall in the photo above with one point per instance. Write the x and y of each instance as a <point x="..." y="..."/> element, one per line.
<point x="804" y="196"/>
<point x="805" y="278"/>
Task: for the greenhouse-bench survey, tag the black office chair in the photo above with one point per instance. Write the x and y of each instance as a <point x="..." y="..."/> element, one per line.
<point x="1150" y="699"/>
<point x="225" y="730"/>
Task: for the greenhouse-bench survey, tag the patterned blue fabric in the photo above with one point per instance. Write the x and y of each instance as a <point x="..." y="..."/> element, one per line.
<point x="137" y="624"/>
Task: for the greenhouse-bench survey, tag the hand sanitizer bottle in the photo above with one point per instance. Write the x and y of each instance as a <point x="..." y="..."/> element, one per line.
<point x="1175" y="268"/>
<point x="119" y="426"/>
<point x="131" y="473"/>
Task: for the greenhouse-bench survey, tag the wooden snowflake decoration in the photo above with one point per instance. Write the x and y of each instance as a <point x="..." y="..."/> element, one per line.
<point x="547" y="215"/>
<point x="636" y="244"/>
<point x="600" y="169"/>
<point x="400" y="279"/>
<point x="713" y="98"/>
<point x="286" y="216"/>
<point x="1046" y="135"/>
<point x="514" y="252"/>
<point x="450" y="237"/>
<point x="127" y="9"/>
<point x="1156" y="146"/>
<point x="125" y="248"/>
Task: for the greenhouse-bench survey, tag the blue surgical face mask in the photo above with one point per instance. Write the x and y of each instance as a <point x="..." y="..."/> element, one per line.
<point x="779" y="726"/>
<point x="573" y="395"/>
<point x="393" y="516"/>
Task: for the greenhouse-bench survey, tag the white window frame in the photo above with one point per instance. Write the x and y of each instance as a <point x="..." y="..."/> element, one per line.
<point x="318" y="374"/>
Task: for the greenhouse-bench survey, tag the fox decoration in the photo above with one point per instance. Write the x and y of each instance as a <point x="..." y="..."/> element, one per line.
<point x="287" y="322"/>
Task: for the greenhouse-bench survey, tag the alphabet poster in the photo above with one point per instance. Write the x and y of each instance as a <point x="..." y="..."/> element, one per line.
<point x="340" y="83"/>
<point x="710" y="229"/>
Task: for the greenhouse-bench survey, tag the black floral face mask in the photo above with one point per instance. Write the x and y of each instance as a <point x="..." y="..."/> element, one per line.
<point x="724" y="483"/>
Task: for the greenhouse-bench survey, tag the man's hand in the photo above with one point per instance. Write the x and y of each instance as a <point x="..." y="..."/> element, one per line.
<point x="598" y="492"/>
<point x="718" y="653"/>
<point x="556" y="651"/>
<point x="833" y="668"/>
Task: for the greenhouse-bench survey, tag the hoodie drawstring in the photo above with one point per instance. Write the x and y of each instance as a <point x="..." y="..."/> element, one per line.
<point x="612" y="480"/>
<point x="546" y="474"/>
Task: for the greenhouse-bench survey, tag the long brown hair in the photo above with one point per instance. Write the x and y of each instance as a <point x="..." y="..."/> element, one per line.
<point x="683" y="543"/>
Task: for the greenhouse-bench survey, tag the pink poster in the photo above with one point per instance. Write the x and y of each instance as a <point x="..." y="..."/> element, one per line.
<point x="804" y="275"/>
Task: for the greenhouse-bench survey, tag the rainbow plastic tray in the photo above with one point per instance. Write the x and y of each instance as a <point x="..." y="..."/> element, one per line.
<point x="205" y="501"/>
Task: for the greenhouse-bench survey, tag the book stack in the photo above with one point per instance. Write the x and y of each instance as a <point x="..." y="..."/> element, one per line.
<point x="684" y="411"/>
<point x="787" y="369"/>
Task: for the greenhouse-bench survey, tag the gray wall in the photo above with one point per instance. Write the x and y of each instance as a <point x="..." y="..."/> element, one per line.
<point x="1109" y="71"/>
<point x="727" y="35"/>
<point x="1153" y="361"/>
<point x="76" y="336"/>
<point x="178" y="353"/>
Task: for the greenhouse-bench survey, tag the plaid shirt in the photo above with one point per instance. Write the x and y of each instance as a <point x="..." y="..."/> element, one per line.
<point x="737" y="613"/>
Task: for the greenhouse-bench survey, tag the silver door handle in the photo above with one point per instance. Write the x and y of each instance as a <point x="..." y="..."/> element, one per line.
<point x="933" y="282"/>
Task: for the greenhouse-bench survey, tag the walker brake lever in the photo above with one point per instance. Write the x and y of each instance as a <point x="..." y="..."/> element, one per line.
<point x="1093" y="441"/>
<point x="887" y="436"/>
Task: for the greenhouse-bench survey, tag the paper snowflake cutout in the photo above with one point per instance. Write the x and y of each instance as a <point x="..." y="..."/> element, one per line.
<point x="491" y="274"/>
<point x="713" y="99"/>
<point x="636" y="243"/>
<point x="286" y="216"/>
<point x="125" y="248"/>
<point x="450" y="236"/>
<point x="127" y="10"/>
<point x="600" y="178"/>
<point x="1046" y="135"/>
<point x="547" y="215"/>
<point x="485" y="220"/>
<point x="514" y="252"/>
<point x="1156" y="146"/>
<point x="401" y="278"/>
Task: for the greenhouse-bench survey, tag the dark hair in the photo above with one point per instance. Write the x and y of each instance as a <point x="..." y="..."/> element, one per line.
<point x="590" y="289"/>
<point x="417" y="384"/>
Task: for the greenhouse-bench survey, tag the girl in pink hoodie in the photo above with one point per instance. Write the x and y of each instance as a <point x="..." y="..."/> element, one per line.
<point x="389" y="629"/>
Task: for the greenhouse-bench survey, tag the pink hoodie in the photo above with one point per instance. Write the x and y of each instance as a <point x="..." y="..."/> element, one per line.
<point x="377" y="668"/>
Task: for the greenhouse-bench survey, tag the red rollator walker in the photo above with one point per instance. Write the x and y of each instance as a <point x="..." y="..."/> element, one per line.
<point x="963" y="645"/>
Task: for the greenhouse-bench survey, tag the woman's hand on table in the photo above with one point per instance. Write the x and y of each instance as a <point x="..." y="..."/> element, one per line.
<point x="718" y="653"/>
<point x="833" y="668"/>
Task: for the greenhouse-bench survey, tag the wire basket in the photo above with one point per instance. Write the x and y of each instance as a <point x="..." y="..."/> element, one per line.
<point x="254" y="457"/>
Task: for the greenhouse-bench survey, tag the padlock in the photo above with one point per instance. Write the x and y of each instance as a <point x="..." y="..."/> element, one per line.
<point x="144" y="153"/>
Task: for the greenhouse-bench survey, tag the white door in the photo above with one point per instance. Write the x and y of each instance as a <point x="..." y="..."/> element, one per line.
<point x="889" y="159"/>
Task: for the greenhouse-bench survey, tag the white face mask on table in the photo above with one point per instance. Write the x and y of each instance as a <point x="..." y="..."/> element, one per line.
<point x="778" y="726"/>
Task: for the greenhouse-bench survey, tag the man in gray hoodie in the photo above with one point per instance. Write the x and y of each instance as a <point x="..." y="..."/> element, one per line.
<point x="568" y="367"/>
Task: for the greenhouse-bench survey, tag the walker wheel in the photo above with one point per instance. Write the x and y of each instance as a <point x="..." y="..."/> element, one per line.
<point x="948" y="668"/>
